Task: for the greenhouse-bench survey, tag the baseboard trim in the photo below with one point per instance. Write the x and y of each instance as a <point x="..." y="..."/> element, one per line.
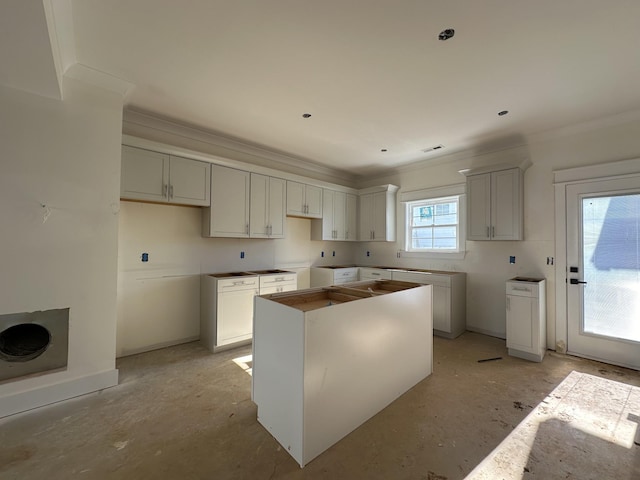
<point x="491" y="333"/>
<point x="156" y="346"/>
<point x="40" y="396"/>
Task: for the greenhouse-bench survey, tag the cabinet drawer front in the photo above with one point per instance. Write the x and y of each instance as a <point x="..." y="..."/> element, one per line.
<point x="345" y="272"/>
<point x="277" y="280"/>
<point x="239" y="283"/>
<point x="522" y="289"/>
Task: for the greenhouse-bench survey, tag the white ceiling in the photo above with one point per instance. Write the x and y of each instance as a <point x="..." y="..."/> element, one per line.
<point x="372" y="73"/>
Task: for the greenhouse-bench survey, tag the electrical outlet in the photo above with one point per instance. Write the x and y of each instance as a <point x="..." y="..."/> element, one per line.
<point x="241" y="254"/>
<point x="144" y="257"/>
<point x="549" y="260"/>
<point x="334" y="253"/>
<point x="368" y="253"/>
<point x="512" y="259"/>
<point x="322" y="254"/>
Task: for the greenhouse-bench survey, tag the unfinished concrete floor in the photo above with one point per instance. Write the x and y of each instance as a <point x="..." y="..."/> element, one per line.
<point x="184" y="413"/>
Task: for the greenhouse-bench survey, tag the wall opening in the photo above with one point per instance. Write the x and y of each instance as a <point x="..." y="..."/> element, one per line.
<point x="33" y="342"/>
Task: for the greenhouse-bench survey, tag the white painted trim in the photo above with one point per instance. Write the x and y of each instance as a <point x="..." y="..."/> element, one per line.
<point x="483" y="331"/>
<point x="601" y="171"/>
<point x="437" y="192"/>
<point x="561" y="333"/>
<point x="59" y="17"/>
<point x="562" y="179"/>
<point x="134" y="118"/>
<point x="100" y="79"/>
<point x="157" y="346"/>
<point x="165" y="148"/>
<point x="11" y="404"/>
<point x="515" y="156"/>
<point x="379" y="188"/>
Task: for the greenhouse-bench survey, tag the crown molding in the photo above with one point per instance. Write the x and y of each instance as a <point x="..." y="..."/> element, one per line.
<point x="100" y="79"/>
<point x="277" y="160"/>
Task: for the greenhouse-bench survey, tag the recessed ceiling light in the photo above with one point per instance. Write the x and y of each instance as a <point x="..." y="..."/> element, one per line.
<point x="446" y="34"/>
<point x="383" y="150"/>
<point x="306" y="115"/>
<point x="503" y="112"/>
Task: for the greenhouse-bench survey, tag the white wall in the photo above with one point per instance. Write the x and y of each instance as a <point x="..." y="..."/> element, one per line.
<point x="65" y="155"/>
<point x="158" y="301"/>
<point x="487" y="263"/>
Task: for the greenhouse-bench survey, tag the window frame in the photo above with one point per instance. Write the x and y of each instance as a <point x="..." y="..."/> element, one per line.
<point x="412" y="198"/>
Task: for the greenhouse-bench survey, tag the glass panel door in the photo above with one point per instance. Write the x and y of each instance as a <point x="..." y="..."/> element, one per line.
<point x="603" y="277"/>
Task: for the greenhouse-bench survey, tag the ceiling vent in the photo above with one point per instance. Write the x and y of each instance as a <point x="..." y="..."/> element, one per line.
<point x="433" y="149"/>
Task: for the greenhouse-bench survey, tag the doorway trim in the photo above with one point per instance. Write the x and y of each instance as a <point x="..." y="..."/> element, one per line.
<point x="561" y="179"/>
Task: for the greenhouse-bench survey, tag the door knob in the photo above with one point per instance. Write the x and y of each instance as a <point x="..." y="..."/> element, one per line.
<point x="575" y="281"/>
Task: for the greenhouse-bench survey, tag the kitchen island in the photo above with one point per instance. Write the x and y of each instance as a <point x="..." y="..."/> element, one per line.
<point x="325" y="360"/>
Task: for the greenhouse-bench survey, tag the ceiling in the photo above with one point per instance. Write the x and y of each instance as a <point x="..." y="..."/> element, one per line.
<point x="372" y="73"/>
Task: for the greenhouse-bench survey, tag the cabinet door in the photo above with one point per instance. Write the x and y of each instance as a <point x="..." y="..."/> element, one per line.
<point x="313" y="201"/>
<point x="189" y="182"/>
<point x="234" y="316"/>
<point x="339" y="215"/>
<point x="295" y="199"/>
<point x="351" y="221"/>
<point x="228" y="215"/>
<point x="365" y="230"/>
<point x="479" y="207"/>
<point x="519" y="323"/>
<point x="275" y="214"/>
<point x="328" y="201"/>
<point x="506" y="205"/>
<point x="144" y="175"/>
<point x="258" y="221"/>
<point x="379" y="216"/>
<point x="441" y="308"/>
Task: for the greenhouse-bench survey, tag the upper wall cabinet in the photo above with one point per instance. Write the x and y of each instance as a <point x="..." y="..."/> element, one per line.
<point x="304" y="200"/>
<point x="158" y="177"/>
<point x="378" y="214"/>
<point x="339" y="217"/>
<point x="228" y="215"/>
<point x="244" y="205"/>
<point x="495" y="205"/>
<point x="266" y="213"/>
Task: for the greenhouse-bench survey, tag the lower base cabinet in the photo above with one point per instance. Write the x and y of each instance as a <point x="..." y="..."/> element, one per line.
<point x="326" y="360"/>
<point x="526" y="318"/>
<point x="449" y="299"/>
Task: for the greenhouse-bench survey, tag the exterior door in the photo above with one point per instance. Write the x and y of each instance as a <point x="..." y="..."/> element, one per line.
<point x="603" y="270"/>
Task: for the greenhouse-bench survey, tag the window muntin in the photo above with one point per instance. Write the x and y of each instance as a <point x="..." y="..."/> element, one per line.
<point x="433" y="225"/>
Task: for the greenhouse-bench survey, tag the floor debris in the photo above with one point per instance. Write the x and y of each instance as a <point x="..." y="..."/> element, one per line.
<point x="489" y="359"/>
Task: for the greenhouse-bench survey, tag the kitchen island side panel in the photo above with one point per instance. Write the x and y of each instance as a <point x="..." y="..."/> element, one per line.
<point x="359" y="357"/>
<point x="277" y="377"/>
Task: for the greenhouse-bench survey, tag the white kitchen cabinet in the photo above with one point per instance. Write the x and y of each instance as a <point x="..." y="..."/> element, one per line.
<point x="226" y="309"/>
<point x="278" y="282"/>
<point x="157" y="177"/>
<point x="351" y="218"/>
<point x="304" y="200"/>
<point x="267" y="207"/>
<point x="373" y="273"/>
<point x="449" y="298"/>
<point x="327" y="360"/>
<point x="526" y="318"/>
<point x="495" y="205"/>
<point x="228" y="215"/>
<point x="332" y="275"/>
<point x="378" y="214"/>
<point x="339" y="214"/>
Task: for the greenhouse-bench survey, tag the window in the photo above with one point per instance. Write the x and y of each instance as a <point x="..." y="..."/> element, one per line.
<point x="433" y="225"/>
